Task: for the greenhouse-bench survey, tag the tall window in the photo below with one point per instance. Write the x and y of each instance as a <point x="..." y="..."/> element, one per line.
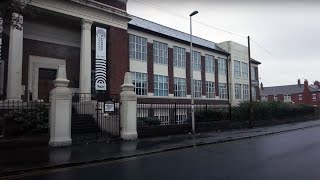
<point x="237" y="71"/>
<point x="179" y="57"/>
<point x="196" y="57"/>
<point x="222" y="66"/>
<point x="253" y="73"/>
<point x="287" y="98"/>
<point x="138" y="48"/>
<point x="246" y="92"/>
<point x="254" y="93"/>
<point x="237" y="91"/>
<point x="209" y="64"/>
<point x="245" y="71"/>
<point x="160" y="53"/>
<point x="223" y="93"/>
<point x="160" y="85"/>
<point x="197" y="88"/>
<point x="180" y="87"/>
<point x="210" y="93"/>
<point x="140" y="83"/>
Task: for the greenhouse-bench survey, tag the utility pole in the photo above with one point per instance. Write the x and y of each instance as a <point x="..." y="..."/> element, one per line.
<point x="250" y="87"/>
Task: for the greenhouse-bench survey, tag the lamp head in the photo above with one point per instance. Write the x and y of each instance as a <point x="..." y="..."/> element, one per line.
<point x="194" y="13"/>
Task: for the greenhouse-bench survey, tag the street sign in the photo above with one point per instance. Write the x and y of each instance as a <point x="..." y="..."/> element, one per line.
<point x="109" y="106"/>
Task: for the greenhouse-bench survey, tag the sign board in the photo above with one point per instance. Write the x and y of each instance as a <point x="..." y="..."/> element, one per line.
<point x="101" y="59"/>
<point x="108" y="107"/>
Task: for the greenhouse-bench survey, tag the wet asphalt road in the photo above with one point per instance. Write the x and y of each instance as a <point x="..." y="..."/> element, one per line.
<point x="292" y="155"/>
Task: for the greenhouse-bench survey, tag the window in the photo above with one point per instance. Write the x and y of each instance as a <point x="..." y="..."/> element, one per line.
<point x="264" y="98"/>
<point x="209" y="64"/>
<point x="210" y="93"/>
<point x="254" y="93"/>
<point x="222" y="67"/>
<point x="140" y="82"/>
<point x="287" y="98"/>
<point x="179" y="57"/>
<point x="197" y="88"/>
<point x="160" y="53"/>
<point x="160" y="85"/>
<point x="245" y="71"/>
<point x="300" y="97"/>
<point x="138" y="48"/>
<point x="314" y="96"/>
<point x="237" y="91"/>
<point x="253" y="73"/>
<point x="275" y="98"/>
<point x="246" y="92"/>
<point x="180" y="87"/>
<point x="237" y="71"/>
<point x="196" y="56"/>
<point x="223" y="94"/>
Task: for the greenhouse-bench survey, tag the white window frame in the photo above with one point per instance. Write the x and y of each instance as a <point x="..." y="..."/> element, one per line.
<point x="180" y="87"/>
<point x="138" y="48"/>
<point x="275" y="98"/>
<point x="253" y="73"/>
<point x="196" y="60"/>
<point x="160" y="52"/>
<point x="264" y="98"/>
<point x="222" y="66"/>
<point x="237" y="69"/>
<point x="246" y="93"/>
<point x="237" y="91"/>
<point x="210" y="63"/>
<point x="314" y="96"/>
<point x="210" y="89"/>
<point x="161" y="85"/>
<point x="223" y="92"/>
<point x="197" y="88"/>
<point x="140" y="82"/>
<point x="300" y="97"/>
<point x="179" y="57"/>
<point x="287" y="98"/>
<point x="245" y="70"/>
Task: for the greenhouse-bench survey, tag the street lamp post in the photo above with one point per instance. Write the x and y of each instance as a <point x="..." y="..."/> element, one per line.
<point x="191" y="75"/>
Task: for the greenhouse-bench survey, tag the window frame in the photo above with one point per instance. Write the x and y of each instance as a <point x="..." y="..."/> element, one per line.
<point x="300" y="97"/>
<point x="314" y="96"/>
<point x="245" y="70"/>
<point x="160" y="53"/>
<point x="197" y="88"/>
<point x="237" y="91"/>
<point x="209" y="64"/>
<point x="161" y="85"/>
<point x="179" y="57"/>
<point x="237" y="69"/>
<point x="210" y="89"/>
<point x="137" y="46"/>
<point x="224" y="89"/>
<point x="245" y="91"/>
<point x="196" y="61"/>
<point x="143" y="79"/>
<point x="222" y="66"/>
<point x="180" y="87"/>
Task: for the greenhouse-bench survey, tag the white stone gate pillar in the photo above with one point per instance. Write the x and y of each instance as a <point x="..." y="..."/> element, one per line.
<point x="60" y="111"/>
<point x="85" y="57"/>
<point x="15" y="58"/>
<point x="128" y="99"/>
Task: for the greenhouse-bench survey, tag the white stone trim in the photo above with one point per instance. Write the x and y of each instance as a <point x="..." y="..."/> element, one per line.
<point x="210" y="77"/>
<point x="197" y="75"/>
<point x="179" y="72"/>
<point x="97" y="13"/>
<point x="35" y="63"/>
<point x="138" y="66"/>
<point x="160" y="69"/>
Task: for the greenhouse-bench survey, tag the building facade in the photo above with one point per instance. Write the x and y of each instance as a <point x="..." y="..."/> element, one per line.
<point x="239" y="73"/>
<point x="64" y="32"/>
<point x="296" y="93"/>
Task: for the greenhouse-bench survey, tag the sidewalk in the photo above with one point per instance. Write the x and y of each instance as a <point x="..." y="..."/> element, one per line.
<point x="30" y="159"/>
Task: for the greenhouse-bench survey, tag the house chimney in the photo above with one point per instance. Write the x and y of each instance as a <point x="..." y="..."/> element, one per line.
<point x="261" y="86"/>
<point x="299" y="82"/>
<point x="317" y="83"/>
<point x="306" y="84"/>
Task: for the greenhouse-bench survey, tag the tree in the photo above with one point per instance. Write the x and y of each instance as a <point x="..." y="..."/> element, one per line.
<point x="8" y="7"/>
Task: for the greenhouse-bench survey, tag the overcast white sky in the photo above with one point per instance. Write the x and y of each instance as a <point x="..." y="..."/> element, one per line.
<point x="289" y="30"/>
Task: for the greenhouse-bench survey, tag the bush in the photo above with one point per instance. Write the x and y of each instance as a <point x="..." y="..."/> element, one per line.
<point x="148" y="121"/>
<point x="26" y="121"/>
<point x="211" y="115"/>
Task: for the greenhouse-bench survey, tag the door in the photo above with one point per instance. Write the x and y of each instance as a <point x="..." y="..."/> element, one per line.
<point x="45" y="83"/>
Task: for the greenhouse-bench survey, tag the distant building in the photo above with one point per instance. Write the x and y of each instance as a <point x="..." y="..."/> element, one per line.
<point x="296" y="93"/>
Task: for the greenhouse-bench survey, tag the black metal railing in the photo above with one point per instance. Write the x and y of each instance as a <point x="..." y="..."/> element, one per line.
<point x="95" y="117"/>
<point x="19" y="118"/>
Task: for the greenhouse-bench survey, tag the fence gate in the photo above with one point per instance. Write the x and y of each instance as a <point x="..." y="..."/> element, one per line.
<point x="95" y="118"/>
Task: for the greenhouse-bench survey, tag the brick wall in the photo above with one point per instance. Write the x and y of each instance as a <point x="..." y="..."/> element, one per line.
<point x="170" y="71"/>
<point x="188" y="78"/>
<point x="150" y="67"/>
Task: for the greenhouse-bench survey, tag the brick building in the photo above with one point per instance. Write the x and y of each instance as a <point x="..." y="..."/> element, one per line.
<point x="297" y="93"/>
<point x="64" y="32"/>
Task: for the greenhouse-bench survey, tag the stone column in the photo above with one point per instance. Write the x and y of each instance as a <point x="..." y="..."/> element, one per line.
<point x="128" y="109"/>
<point x="60" y="111"/>
<point x="15" y="58"/>
<point x="85" y="57"/>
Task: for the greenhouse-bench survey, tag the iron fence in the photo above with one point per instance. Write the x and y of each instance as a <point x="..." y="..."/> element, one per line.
<point x="95" y="117"/>
<point x="19" y="118"/>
